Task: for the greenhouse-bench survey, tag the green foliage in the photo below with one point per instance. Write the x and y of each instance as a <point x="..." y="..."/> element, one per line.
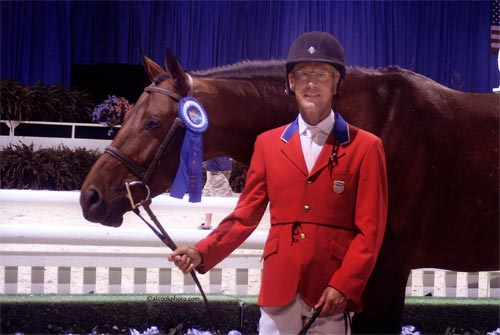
<point x="62" y="168"/>
<point x="14" y="102"/>
<point x="59" y="168"/>
<point x="44" y="103"/>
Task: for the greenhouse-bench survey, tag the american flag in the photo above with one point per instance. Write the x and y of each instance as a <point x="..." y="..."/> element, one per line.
<point x="495" y="25"/>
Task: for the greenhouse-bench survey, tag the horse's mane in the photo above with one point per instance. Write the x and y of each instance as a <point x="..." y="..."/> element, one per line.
<point x="252" y="69"/>
<point x="377" y="71"/>
<point x="245" y="69"/>
<point x="276" y="68"/>
<point x="241" y="70"/>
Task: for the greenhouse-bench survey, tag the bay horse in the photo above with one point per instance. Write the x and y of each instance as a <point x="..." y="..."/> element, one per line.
<point x="441" y="148"/>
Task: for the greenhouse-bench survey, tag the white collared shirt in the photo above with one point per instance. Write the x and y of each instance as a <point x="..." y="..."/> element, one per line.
<point x="323" y="129"/>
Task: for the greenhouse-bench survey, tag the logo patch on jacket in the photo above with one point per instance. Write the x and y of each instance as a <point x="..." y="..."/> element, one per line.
<point x="338" y="186"/>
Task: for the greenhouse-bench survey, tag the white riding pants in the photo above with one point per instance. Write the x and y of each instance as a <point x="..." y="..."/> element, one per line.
<point x="290" y="319"/>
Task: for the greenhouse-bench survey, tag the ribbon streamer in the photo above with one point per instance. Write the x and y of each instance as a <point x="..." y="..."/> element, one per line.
<point x="188" y="176"/>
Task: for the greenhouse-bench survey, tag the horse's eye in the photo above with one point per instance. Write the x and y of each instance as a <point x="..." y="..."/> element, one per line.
<point x="153" y="124"/>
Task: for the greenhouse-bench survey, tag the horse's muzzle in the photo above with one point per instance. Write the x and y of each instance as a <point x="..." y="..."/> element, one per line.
<point x="95" y="209"/>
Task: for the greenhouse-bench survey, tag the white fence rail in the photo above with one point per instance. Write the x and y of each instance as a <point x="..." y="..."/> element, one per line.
<point x="72" y="135"/>
<point x="46" y="259"/>
<point x="109" y="260"/>
<point x="93" y="264"/>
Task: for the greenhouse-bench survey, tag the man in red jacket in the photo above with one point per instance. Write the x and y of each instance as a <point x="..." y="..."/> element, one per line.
<point x="326" y="184"/>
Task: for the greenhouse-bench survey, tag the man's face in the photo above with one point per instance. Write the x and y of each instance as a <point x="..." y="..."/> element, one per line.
<point x="314" y="85"/>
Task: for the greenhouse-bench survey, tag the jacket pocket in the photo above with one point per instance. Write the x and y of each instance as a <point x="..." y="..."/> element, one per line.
<point x="270" y="248"/>
<point x="337" y="250"/>
<point x="342" y="176"/>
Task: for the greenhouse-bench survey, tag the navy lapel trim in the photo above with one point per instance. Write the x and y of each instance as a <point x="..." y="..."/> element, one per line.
<point x="290" y="130"/>
<point x="340" y="130"/>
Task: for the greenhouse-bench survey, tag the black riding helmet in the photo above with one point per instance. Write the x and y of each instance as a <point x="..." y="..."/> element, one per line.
<point x="316" y="46"/>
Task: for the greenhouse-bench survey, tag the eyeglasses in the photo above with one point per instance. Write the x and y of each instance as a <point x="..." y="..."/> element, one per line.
<point x="306" y="76"/>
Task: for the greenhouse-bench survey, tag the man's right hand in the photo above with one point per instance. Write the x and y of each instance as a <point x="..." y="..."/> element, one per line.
<point x="186" y="258"/>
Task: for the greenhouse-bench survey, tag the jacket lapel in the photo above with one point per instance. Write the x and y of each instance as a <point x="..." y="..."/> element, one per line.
<point x="293" y="149"/>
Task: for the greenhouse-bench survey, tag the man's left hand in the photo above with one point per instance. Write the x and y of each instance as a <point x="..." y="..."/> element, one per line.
<point x="333" y="302"/>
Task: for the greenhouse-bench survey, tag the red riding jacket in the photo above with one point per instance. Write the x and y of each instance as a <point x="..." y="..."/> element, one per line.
<point x="326" y="226"/>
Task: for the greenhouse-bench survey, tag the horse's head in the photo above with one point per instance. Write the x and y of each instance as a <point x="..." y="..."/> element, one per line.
<point x="146" y="148"/>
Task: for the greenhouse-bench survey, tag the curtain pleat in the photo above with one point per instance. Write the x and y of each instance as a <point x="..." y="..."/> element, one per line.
<point x="447" y="41"/>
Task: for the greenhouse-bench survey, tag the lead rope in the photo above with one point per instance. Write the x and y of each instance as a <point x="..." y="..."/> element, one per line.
<point x="165" y="238"/>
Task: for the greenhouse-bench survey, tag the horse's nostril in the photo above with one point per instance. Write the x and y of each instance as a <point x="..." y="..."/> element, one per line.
<point x="92" y="199"/>
<point x="92" y="205"/>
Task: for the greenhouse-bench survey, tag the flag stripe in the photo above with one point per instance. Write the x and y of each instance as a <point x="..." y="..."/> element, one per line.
<point x="495" y="25"/>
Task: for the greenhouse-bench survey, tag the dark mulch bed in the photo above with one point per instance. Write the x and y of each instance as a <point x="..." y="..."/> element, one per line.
<point x="175" y="317"/>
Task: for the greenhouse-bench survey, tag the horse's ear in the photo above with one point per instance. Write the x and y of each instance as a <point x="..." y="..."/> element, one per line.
<point x="175" y="70"/>
<point x="153" y="69"/>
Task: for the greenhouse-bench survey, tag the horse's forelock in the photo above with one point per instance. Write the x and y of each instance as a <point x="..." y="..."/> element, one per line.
<point x="161" y="78"/>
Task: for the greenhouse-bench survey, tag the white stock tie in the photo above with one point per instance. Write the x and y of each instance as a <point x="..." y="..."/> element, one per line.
<point x="310" y="152"/>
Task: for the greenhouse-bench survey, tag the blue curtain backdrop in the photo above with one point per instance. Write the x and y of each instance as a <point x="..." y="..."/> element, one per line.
<point x="447" y="41"/>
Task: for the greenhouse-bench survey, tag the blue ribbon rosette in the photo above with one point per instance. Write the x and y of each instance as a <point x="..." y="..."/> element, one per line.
<point x="188" y="177"/>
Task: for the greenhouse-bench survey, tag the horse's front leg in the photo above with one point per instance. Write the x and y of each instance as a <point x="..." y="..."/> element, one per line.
<point x="384" y="296"/>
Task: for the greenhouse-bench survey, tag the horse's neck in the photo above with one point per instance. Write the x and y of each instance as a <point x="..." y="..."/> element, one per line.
<point x="239" y="110"/>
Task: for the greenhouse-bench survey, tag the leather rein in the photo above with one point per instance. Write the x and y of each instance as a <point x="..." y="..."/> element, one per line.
<point x="175" y="130"/>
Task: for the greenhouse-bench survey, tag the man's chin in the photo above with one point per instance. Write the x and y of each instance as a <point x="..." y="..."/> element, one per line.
<point x="308" y="106"/>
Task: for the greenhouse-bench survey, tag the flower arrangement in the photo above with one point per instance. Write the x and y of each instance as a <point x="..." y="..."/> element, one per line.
<point x="409" y="330"/>
<point x="111" y="112"/>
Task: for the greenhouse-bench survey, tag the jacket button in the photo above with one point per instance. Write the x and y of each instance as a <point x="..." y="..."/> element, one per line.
<point x="309" y="181"/>
<point x="306" y="208"/>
